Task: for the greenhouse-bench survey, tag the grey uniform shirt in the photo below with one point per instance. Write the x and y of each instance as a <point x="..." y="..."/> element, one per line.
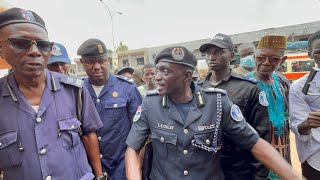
<point x="174" y="155"/>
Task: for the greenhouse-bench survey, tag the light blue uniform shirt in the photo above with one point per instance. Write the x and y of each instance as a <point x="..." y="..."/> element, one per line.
<point x="300" y="106"/>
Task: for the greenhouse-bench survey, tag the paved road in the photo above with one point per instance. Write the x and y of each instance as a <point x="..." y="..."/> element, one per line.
<point x="294" y="156"/>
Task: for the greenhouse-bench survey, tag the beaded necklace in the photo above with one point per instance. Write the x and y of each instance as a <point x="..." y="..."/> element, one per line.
<point x="276" y="104"/>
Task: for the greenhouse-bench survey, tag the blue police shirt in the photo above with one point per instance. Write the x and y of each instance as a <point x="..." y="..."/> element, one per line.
<point x="116" y="104"/>
<point x="45" y="145"/>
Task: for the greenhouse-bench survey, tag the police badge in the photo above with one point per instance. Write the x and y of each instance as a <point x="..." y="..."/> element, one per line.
<point x="177" y="54"/>
<point x="137" y="115"/>
<point x="236" y="113"/>
<point x="263" y="99"/>
<point x="56" y="51"/>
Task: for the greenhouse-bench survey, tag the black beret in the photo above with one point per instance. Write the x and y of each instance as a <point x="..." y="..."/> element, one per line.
<point x="17" y="15"/>
<point x="178" y="55"/>
<point x="92" y="48"/>
<point x="121" y="70"/>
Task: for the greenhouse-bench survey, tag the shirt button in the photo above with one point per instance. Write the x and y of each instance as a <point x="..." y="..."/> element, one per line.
<point x="101" y="156"/>
<point x="99" y="138"/>
<point x="73" y="126"/>
<point x="43" y="151"/>
<point x="162" y="139"/>
<point x="185" y="152"/>
<point x="0" y="144"/>
<point x="48" y="178"/>
<point x="208" y="141"/>
<point x="38" y="120"/>
<point x="98" y="100"/>
<point x="185" y="131"/>
<point x="185" y="172"/>
<point x="115" y="105"/>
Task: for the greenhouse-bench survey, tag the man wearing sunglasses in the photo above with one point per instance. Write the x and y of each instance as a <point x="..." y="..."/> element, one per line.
<point x="59" y="60"/>
<point x="236" y="163"/>
<point x="116" y="99"/>
<point x="42" y="133"/>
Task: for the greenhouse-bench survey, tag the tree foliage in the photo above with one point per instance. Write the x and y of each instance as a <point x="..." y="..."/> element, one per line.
<point x="122" y="47"/>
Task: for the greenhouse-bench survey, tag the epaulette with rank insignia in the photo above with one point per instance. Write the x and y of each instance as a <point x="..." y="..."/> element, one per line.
<point x="250" y="79"/>
<point x="74" y="81"/>
<point x="214" y="90"/>
<point x="126" y="79"/>
<point x="152" y="92"/>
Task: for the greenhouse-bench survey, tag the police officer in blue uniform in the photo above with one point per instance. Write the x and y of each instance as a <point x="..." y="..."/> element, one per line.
<point x="59" y="60"/>
<point x="116" y="99"/>
<point x="186" y="124"/>
<point x="48" y="120"/>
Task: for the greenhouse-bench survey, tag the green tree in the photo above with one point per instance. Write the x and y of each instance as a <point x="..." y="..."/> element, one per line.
<point x="109" y="51"/>
<point x="122" y="47"/>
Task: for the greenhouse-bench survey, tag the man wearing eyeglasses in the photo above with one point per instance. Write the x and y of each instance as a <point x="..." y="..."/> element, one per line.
<point x="42" y="135"/>
<point x="116" y="99"/>
<point x="236" y="163"/>
<point x="269" y="56"/>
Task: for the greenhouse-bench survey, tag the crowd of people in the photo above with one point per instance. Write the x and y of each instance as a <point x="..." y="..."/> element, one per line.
<point x="158" y="123"/>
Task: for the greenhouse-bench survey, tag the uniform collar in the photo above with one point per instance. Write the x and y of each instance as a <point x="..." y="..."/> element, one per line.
<point x="4" y="89"/>
<point x="193" y="114"/>
<point x="231" y="74"/>
<point x="12" y="82"/>
<point x="53" y="78"/>
<point x="111" y="80"/>
<point x="195" y="89"/>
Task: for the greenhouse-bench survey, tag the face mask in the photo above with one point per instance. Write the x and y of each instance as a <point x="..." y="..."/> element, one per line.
<point x="247" y="61"/>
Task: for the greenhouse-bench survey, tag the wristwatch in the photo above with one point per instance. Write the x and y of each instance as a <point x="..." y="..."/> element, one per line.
<point x="103" y="177"/>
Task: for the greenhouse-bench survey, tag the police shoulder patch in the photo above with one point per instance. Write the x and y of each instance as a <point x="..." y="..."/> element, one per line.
<point x="126" y="79"/>
<point x="214" y="90"/>
<point x="236" y="113"/>
<point x="250" y="79"/>
<point x="263" y="99"/>
<point x="74" y="81"/>
<point x="152" y="92"/>
<point x="137" y="115"/>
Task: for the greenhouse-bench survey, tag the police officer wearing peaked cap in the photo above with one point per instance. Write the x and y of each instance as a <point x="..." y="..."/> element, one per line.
<point x="185" y="124"/>
<point x="236" y="163"/>
<point x="59" y="60"/>
<point x="124" y="71"/>
<point x="42" y="134"/>
<point x="116" y="100"/>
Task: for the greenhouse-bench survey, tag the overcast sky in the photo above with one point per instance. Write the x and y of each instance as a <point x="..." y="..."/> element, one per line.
<point x="148" y="23"/>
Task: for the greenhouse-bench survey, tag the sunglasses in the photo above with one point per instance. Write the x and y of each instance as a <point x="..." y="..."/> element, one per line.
<point x="25" y="44"/>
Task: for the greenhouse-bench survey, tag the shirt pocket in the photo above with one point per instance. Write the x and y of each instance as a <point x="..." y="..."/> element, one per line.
<point x="10" y="155"/>
<point x="204" y="139"/>
<point x="69" y="132"/>
<point x="116" y="109"/>
<point x="163" y="141"/>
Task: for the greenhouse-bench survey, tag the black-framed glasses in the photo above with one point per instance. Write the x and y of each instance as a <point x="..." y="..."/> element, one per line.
<point x="25" y="44"/>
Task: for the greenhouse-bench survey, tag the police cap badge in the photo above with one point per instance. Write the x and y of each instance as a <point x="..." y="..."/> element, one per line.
<point x="177" y="55"/>
<point x="92" y="48"/>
